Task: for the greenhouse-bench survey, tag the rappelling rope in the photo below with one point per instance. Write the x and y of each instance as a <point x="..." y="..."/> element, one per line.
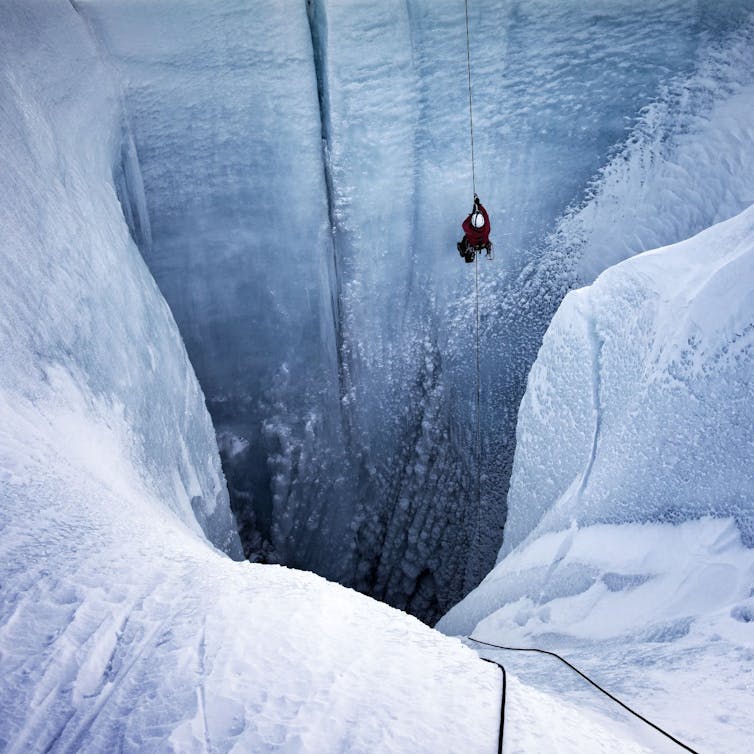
<point x="471" y="113"/>
<point x="501" y="729"/>
<point x="478" y="438"/>
<point x="588" y="680"/>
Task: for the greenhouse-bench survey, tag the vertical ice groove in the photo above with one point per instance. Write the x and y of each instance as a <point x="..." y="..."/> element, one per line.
<point x="595" y="344"/>
<point x="317" y="17"/>
<point x="129" y="183"/>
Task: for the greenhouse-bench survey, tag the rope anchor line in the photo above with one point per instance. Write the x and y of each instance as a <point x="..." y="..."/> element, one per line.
<point x="586" y="678"/>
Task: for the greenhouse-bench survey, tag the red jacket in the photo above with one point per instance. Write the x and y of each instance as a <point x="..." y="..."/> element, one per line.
<point x="477" y="236"/>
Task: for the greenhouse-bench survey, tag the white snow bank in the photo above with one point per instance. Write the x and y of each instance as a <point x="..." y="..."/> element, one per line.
<point x="640" y="404"/>
<point x="120" y="628"/>
<point x="84" y="332"/>
<point x="602" y="581"/>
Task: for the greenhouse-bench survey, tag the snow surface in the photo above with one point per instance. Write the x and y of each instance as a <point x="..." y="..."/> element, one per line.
<point x="644" y="379"/>
<point x="337" y="353"/>
<point x="628" y="545"/>
<point x="122" y="629"/>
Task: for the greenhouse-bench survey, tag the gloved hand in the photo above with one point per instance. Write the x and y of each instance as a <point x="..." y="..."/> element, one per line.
<point x="476" y="199"/>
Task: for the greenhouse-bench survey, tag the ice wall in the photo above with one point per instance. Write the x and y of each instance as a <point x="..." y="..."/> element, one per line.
<point x="339" y="364"/>
<point x="223" y="100"/>
<point x="91" y="355"/>
<point x="643" y="382"/>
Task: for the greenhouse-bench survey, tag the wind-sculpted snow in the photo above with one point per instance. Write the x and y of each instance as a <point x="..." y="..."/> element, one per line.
<point x="629" y="538"/>
<point x="123" y="630"/>
<point x="305" y="191"/>
<point x="644" y="384"/>
<point x="85" y="335"/>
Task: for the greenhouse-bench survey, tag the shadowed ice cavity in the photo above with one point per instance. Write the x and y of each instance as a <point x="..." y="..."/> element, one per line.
<point x="306" y="167"/>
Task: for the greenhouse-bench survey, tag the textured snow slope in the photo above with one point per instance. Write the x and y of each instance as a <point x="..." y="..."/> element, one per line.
<point x="84" y="331"/>
<point x="644" y="383"/>
<point x="631" y="521"/>
<point x="120" y="629"/>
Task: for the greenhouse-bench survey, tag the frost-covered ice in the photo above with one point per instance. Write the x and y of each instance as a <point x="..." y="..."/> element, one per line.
<point x="644" y="382"/>
<point x="85" y="335"/>
<point x="337" y="364"/>
<point x="629" y="538"/>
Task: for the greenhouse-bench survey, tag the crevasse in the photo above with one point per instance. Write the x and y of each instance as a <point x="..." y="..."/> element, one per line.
<point x="305" y="190"/>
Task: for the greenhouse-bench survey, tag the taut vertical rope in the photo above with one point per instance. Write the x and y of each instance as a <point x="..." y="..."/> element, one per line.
<point x="471" y="113"/>
<point x="478" y="438"/>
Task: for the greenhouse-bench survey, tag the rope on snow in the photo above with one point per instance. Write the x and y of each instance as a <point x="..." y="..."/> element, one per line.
<point x="587" y="679"/>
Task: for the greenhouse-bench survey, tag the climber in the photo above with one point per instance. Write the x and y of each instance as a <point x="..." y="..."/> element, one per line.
<point x="476" y="228"/>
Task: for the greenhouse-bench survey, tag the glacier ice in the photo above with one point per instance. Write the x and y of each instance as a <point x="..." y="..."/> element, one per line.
<point x="121" y="626"/>
<point x="227" y="130"/>
<point x="85" y="335"/>
<point x="628" y="544"/>
<point x="337" y="357"/>
<point x="689" y="156"/>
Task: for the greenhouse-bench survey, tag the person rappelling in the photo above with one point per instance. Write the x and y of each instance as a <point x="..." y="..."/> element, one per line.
<point x="476" y="229"/>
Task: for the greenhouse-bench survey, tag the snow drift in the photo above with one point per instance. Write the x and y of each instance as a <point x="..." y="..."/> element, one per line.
<point x="644" y="383"/>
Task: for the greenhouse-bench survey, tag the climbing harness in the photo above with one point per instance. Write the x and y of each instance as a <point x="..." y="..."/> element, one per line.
<point x="585" y="677"/>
